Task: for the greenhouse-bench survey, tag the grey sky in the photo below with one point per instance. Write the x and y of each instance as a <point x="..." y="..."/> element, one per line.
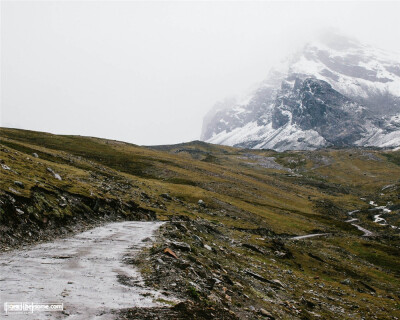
<point x="147" y="72"/>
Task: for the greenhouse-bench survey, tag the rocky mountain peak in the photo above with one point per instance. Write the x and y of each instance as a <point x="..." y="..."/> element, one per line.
<point x="335" y="92"/>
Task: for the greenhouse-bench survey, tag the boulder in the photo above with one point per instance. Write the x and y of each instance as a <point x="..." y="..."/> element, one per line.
<point x="19" y="184"/>
<point x="170" y="253"/>
<point x="267" y="314"/>
<point x="277" y="283"/>
<point x="182" y="246"/>
<point x="55" y="175"/>
<point x="166" y="196"/>
<point x="5" y="167"/>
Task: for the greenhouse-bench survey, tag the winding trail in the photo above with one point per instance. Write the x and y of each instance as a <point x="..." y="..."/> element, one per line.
<point x="309" y="236"/>
<point x="83" y="272"/>
<point x="367" y="233"/>
<point x="351" y="220"/>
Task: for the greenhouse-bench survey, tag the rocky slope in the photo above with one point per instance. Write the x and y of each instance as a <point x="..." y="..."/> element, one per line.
<point x="335" y="92"/>
<point x="233" y="244"/>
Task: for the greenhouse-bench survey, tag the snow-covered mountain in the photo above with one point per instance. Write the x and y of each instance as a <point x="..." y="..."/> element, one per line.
<point x="335" y="92"/>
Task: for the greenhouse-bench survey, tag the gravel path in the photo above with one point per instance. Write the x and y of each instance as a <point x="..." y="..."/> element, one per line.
<point x="83" y="272"/>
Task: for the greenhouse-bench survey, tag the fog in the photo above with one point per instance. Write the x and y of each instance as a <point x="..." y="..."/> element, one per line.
<point x="147" y="72"/>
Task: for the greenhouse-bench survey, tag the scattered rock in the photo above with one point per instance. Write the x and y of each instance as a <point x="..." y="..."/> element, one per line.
<point x="265" y="313"/>
<point x="181" y="246"/>
<point x="144" y="196"/>
<point x="278" y="283"/>
<point x="228" y="280"/>
<point x="213" y="298"/>
<point x="280" y="254"/>
<point x="35" y="155"/>
<point x="198" y="239"/>
<point x="368" y="287"/>
<point x="201" y="203"/>
<point x="5" y="167"/>
<point x="62" y="202"/>
<point x="346" y="281"/>
<point x="195" y="285"/>
<point x="14" y="191"/>
<point x="307" y="303"/>
<point x="166" y="196"/>
<point x="55" y="175"/>
<point x="207" y="247"/>
<point x="238" y="286"/>
<point x="19" y="211"/>
<point x="19" y="184"/>
<point x="169" y="252"/>
<point x="315" y="257"/>
<point x="256" y="276"/>
<point x="181" y="227"/>
<point x="251" y="247"/>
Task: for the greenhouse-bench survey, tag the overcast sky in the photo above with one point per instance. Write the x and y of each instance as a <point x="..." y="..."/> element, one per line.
<point x="147" y="72"/>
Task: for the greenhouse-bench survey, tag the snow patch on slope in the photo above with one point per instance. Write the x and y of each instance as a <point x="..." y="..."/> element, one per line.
<point x="284" y="138"/>
<point x="321" y="61"/>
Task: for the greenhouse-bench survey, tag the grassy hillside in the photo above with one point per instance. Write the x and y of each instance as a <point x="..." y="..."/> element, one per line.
<point x="254" y="202"/>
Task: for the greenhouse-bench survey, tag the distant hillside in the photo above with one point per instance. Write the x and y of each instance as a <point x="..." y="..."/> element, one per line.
<point x="236" y="247"/>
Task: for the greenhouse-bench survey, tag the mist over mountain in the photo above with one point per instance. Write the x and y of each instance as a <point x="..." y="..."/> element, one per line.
<point x="336" y="91"/>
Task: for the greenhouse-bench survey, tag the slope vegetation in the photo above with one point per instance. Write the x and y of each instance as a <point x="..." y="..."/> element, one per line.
<point x="234" y="248"/>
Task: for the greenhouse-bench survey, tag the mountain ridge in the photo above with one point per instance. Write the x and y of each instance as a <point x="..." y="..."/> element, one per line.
<point x="359" y="76"/>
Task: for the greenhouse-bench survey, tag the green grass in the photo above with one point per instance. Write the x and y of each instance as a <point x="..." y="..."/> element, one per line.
<point x="393" y="157"/>
<point x="238" y="196"/>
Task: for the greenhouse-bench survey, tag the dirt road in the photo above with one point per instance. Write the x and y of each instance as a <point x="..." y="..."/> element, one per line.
<point x="85" y="273"/>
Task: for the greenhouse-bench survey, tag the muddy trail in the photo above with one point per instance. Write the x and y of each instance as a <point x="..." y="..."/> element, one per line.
<point x="85" y="272"/>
